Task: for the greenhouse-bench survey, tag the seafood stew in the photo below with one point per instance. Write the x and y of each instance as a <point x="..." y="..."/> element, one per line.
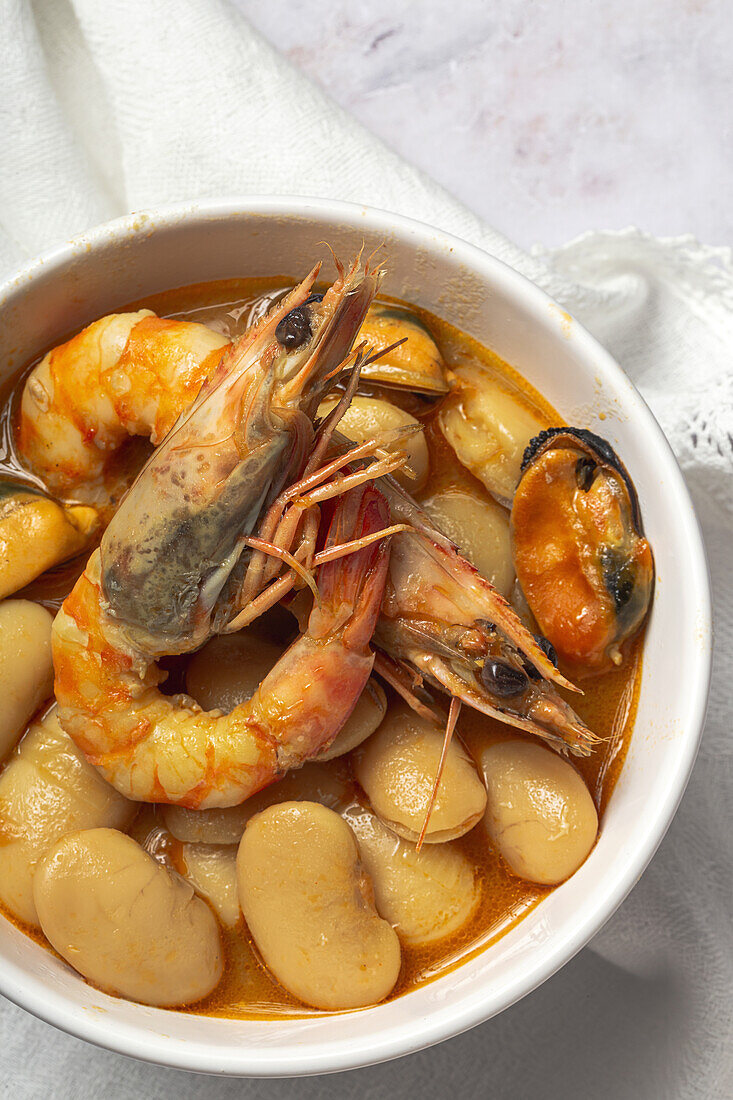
<point x="311" y="586"/>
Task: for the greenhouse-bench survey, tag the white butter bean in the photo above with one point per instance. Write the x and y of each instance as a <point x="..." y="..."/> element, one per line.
<point x="539" y="814"/>
<point x="368" y="416"/>
<point x="308" y="904"/>
<point x="223" y="826"/>
<point x="228" y="669"/>
<point x="397" y="768"/>
<point x="26" y="668"/>
<point x="47" y="790"/>
<point x="424" y="895"/>
<point x="125" y="922"/>
<point x="212" y="871"/>
<point x="480" y="529"/>
<point x="313" y="782"/>
<point x="488" y="426"/>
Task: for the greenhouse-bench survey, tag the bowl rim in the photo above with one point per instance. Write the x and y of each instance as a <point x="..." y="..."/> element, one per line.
<point x="443" y="1022"/>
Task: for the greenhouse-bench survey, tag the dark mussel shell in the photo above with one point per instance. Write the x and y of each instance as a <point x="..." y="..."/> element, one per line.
<point x="579" y="549"/>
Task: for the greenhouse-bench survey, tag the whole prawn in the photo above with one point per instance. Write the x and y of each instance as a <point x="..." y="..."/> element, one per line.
<point x="133" y="374"/>
<point x="173" y="563"/>
<point x="446" y="623"/>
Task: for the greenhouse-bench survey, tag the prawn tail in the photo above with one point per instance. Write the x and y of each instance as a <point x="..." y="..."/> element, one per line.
<point x="351" y="587"/>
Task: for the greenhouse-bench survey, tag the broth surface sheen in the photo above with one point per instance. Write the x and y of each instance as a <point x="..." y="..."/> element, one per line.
<point x="609" y="704"/>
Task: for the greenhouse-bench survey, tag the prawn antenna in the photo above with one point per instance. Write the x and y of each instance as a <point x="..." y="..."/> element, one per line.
<point x="455" y="710"/>
<point x="345" y="548"/>
<point x="336" y="261"/>
<point x="380" y="265"/>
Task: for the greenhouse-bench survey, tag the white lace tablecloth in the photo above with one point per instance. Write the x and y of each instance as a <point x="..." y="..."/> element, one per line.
<point x="116" y="106"/>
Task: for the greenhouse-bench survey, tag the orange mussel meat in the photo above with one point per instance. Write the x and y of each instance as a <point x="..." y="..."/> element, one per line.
<point x="579" y="549"/>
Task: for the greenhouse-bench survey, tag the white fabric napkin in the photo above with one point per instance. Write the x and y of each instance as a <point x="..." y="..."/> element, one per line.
<point x="107" y="107"/>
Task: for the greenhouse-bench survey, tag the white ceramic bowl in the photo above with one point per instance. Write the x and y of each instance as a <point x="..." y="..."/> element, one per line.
<point x="144" y="253"/>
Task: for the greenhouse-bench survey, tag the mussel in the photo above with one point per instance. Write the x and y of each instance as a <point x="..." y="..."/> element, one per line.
<point x="415" y="365"/>
<point x="578" y="543"/>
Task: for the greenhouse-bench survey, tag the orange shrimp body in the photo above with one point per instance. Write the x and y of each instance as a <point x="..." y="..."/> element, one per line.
<point x="158" y="748"/>
<point x="126" y="374"/>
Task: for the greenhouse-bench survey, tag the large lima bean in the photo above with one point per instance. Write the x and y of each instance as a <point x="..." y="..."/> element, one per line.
<point x="312" y="783"/>
<point x="424" y="895"/>
<point x="26" y="668"/>
<point x="480" y="530"/>
<point x="488" y="426"/>
<point x="397" y="768"/>
<point x="539" y="813"/>
<point x="212" y="871"/>
<point x="125" y="922"/>
<point x="369" y="416"/>
<point x="308" y="903"/>
<point x="47" y="790"/>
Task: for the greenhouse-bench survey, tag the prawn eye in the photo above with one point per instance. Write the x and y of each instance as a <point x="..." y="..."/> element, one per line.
<point x="502" y="679"/>
<point x="295" y="329"/>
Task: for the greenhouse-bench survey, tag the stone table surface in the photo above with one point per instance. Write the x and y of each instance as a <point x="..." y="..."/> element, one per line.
<point x="546" y="117"/>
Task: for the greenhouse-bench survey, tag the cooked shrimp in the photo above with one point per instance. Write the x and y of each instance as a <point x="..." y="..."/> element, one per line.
<point x="169" y="569"/>
<point x="133" y="374"/>
<point x="126" y="374"/>
<point x="156" y="748"/>
<point x="443" y="618"/>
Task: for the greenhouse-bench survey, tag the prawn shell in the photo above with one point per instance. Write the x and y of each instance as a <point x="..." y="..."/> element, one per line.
<point x="415" y="365"/>
<point x="580" y="554"/>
